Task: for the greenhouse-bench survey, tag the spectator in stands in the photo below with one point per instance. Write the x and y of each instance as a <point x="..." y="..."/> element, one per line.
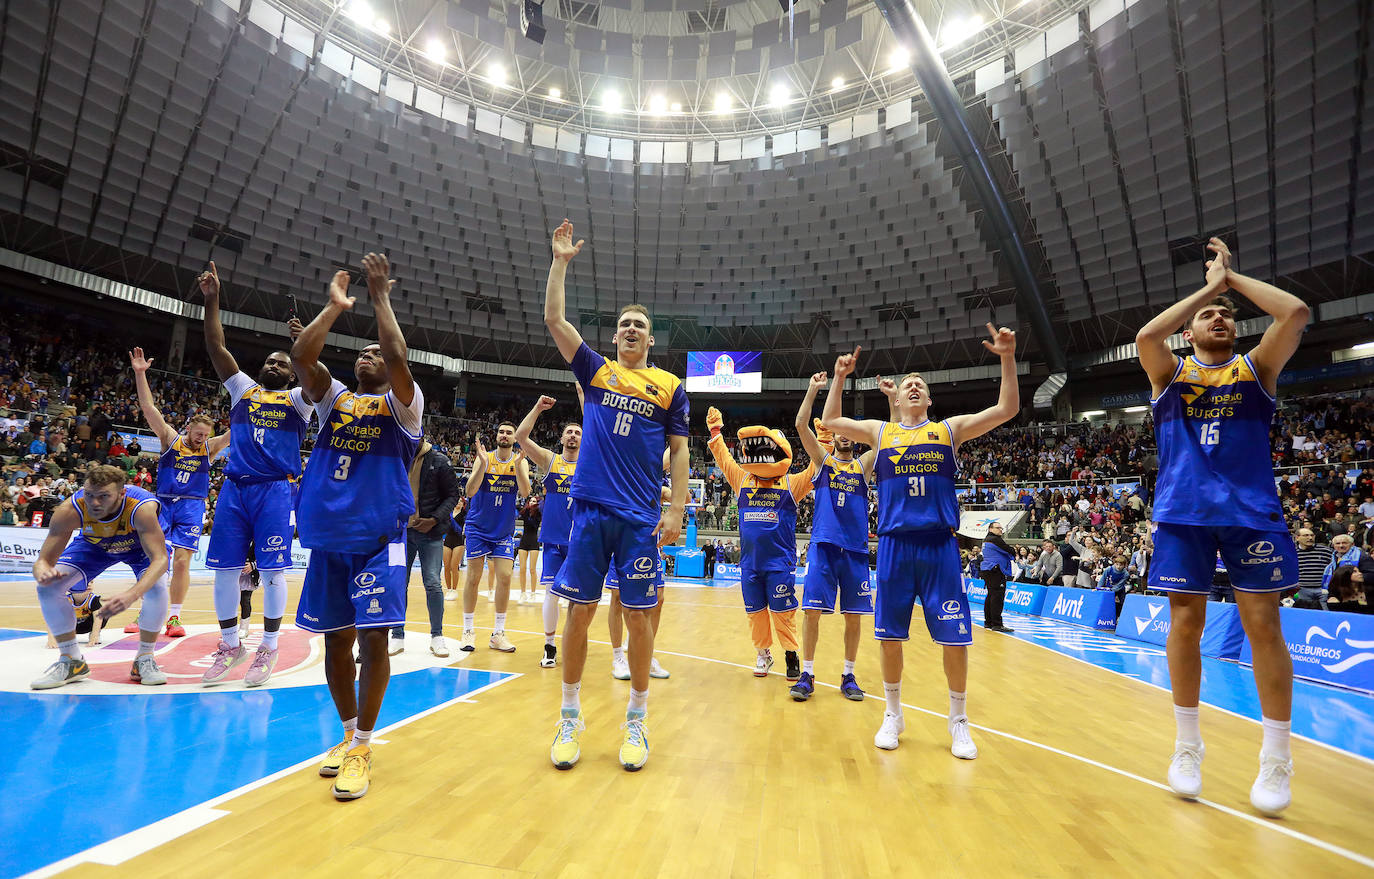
<point x="1049" y="566"/>
<point x="1347" y="591"/>
<point x="1116" y="578"/>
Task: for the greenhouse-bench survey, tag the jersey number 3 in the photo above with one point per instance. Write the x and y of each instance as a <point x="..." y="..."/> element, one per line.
<point x="341" y="472"/>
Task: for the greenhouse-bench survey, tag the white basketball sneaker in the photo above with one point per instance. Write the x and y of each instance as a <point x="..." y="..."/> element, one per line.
<point x="963" y="746"/>
<point x="1185" y="769"/>
<point x="893" y="726"/>
<point x="620" y="669"/>
<point x="1270" y="794"/>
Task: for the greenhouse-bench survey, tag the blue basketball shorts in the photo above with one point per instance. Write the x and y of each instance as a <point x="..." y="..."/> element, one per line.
<point x="771" y="590"/>
<point x="613" y="580"/>
<point x="257" y="514"/>
<point x="91" y="561"/>
<point x="603" y="543"/>
<point x="921" y="567"/>
<point x="832" y="569"/>
<point x="181" y="519"/>
<point x="1257" y="560"/>
<point x="344" y="590"/>
<point x="480" y="547"/>
<point x="554" y="556"/>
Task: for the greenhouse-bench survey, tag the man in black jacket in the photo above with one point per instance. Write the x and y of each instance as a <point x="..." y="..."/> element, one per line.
<point x="436" y="491"/>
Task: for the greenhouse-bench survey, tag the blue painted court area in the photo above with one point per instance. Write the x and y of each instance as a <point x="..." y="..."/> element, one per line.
<point x="83" y="770"/>
<point x="1341" y="718"/>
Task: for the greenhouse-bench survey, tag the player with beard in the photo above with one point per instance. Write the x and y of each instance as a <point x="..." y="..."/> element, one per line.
<point x="633" y="411"/>
<point x="1215" y="493"/>
<point x="918" y="512"/>
<point x="556" y="525"/>
<point x="183" y="485"/>
<point x="255" y="514"/>
<point x="355" y="502"/>
<point x="498" y="482"/>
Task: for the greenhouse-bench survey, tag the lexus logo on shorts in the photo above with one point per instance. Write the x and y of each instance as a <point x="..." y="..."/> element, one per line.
<point x="644" y="564"/>
<point x="1260" y="547"/>
<point x="274" y="541"/>
<point x="951" y="606"/>
<point x="365" y="579"/>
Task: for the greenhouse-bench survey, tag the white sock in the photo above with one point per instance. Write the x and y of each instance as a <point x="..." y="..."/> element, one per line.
<point x="1188" y="730"/>
<point x="808" y="666"/>
<point x="572" y="699"/>
<point x="269" y="639"/>
<point x="639" y="703"/>
<point x="70" y="649"/>
<point x="230" y="636"/>
<point x="469" y="622"/>
<point x="957" y="702"/>
<point x="893" y="694"/>
<point x="174" y="611"/>
<point x="849" y="666"/>
<point x="548" y="640"/>
<point x="360" y="737"/>
<point x="350" y="725"/>
<point x="1276" y="733"/>
<point x="145" y="648"/>
<point x="617" y="654"/>
<point x="550" y="614"/>
<point x="500" y="623"/>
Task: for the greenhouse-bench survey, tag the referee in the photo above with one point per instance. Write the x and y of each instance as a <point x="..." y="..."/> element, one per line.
<point x="995" y="569"/>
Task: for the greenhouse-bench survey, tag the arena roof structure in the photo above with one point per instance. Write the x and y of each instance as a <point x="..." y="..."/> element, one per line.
<point x="284" y="139"/>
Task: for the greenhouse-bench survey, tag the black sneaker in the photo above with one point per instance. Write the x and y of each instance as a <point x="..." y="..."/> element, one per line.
<point x="550" y="657"/>
<point x="1006" y="630"/>
<point x="793" y="665"/>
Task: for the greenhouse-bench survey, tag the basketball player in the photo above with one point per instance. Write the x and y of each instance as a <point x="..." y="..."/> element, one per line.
<point x="255" y="513"/>
<point x="355" y="501"/>
<point x="918" y="512"/>
<point x="556" y="524"/>
<point x="632" y="410"/>
<point x="615" y="618"/>
<point x="117" y="524"/>
<point x="837" y="561"/>
<point x="498" y="482"/>
<point x="183" y="484"/>
<point x="1215" y="492"/>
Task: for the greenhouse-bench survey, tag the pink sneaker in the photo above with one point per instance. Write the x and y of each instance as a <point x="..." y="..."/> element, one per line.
<point x="224" y="658"/>
<point x="261" y="670"/>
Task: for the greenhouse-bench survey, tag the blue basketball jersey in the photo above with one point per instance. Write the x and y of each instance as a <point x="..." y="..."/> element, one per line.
<point x="628" y="417"/>
<point x="356" y="492"/>
<point x="557" y="522"/>
<point x="183" y="471"/>
<point x="916" y="471"/>
<point x="114" y="536"/>
<point x="266" y="429"/>
<point x="841" y="505"/>
<point x="768" y="524"/>
<point x="492" y="511"/>
<point x="1212" y="428"/>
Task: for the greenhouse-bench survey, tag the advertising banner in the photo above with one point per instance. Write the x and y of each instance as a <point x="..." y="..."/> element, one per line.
<point x="1094" y="608"/>
<point x="1146" y="618"/>
<point x="1337" y="648"/>
<point x="1028" y="598"/>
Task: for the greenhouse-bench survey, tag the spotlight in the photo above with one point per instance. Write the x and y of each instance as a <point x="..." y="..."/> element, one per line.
<point x="778" y="95"/>
<point x="723" y="102"/>
<point x="900" y="58"/>
<point x="555" y="94"/>
<point x="957" y="32"/>
<point x="657" y="104"/>
<point x="361" y="12"/>
<point x="676" y="107"/>
<point x="532" y="20"/>
<point x="434" y="50"/>
<point x="837" y="83"/>
<point x="497" y="74"/>
<point x="610" y="101"/>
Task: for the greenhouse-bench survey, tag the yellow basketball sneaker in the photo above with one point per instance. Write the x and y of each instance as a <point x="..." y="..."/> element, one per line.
<point x="566" y="746"/>
<point x="333" y="759"/>
<point x="355" y="774"/>
<point x="634" y="751"/>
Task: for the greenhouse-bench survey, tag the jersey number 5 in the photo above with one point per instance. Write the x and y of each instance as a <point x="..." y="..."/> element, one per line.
<point x="341" y="472"/>
<point x="623" y="420"/>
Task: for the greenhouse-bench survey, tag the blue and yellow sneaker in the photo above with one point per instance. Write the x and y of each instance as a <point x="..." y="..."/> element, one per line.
<point x="334" y="757"/>
<point x="566" y="748"/>
<point x="634" y="750"/>
<point x="850" y="688"/>
<point x="804" y="687"/>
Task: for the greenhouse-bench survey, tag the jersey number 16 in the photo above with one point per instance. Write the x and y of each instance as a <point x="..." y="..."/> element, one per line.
<point x="623" y="420"/>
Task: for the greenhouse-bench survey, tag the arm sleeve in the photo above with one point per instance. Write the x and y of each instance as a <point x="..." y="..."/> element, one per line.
<point x="585" y="365"/>
<point x="734" y="473"/>
<point x="237" y="385"/>
<point x="408" y="417"/>
<point x="678" y="412"/>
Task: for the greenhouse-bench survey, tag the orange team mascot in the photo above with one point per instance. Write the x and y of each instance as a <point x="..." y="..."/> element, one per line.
<point x="767" y="498"/>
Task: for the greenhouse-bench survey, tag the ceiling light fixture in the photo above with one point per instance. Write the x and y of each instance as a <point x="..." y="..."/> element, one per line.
<point x="610" y="101"/>
<point x="434" y="50"/>
<point x="779" y="95"/>
<point x="657" y="104"/>
<point x="497" y="74"/>
<point x="957" y="32"/>
<point x="676" y="107"/>
<point x="361" y="12"/>
<point x="555" y="94"/>
<point x="837" y="83"/>
<point x="723" y="102"/>
<point x="900" y="59"/>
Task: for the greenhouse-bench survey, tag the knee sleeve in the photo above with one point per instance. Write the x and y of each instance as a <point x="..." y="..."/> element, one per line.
<point x="226" y="594"/>
<point x="761" y="630"/>
<point x="785" y="623"/>
<point x="58" y="612"/>
<point x="550" y="612"/>
<point x="155" y="603"/>
<point x="273" y="594"/>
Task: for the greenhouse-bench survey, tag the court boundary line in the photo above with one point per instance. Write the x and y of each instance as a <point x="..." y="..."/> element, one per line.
<point x="199" y="810"/>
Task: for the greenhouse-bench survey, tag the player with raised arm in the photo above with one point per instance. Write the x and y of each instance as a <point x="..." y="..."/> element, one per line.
<point x="1215" y="493"/>
<point x="255" y="514"/>
<point x="632" y="410"/>
<point x="556" y="524"/>
<point x="183" y="484"/>
<point x="918" y="512"/>
<point x="837" y="560"/>
<point x="113" y="524"/>
<point x="498" y="482"/>
<point x="354" y="504"/>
